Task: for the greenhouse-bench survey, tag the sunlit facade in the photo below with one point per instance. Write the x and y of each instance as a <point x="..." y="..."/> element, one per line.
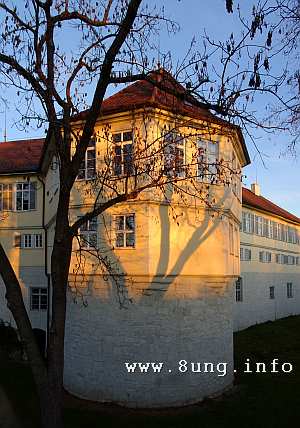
<point x="173" y="263"/>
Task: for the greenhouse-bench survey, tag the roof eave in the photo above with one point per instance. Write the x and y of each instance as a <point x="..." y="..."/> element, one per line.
<point x="269" y="212"/>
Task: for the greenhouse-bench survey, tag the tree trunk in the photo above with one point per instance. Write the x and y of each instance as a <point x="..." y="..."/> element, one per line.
<point x="48" y="378"/>
<point x="16" y="305"/>
<point x="60" y="264"/>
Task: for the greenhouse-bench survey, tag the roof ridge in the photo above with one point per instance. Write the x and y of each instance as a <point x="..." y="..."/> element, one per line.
<point x="272" y="208"/>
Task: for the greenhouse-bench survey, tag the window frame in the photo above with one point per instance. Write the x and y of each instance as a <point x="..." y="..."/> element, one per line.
<point x="175" y="145"/>
<point x="124" y="231"/>
<point x="30" y="184"/>
<point x="90" y="148"/>
<point x="38" y="292"/>
<point x="207" y="177"/>
<point x="87" y="232"/>
<point x="239" y="295"/>
<point x="121" y="144"/>
<point x="33" y="241"/>
<point x="243" y="252"/>
<point x="231" y="239"/>
<point x="10" y="191"/>
<point x="265" y="256"/>
<point x="289" y="290"/>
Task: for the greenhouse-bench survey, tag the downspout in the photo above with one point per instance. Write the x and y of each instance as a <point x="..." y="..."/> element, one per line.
<point x="48" y="275"/>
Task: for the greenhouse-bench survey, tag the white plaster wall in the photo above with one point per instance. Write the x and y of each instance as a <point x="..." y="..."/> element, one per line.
<point x="28" y="277"/>
<point x="188" y="318"/>
<point x="257" y="307"/>
<point x="258" y="277"/>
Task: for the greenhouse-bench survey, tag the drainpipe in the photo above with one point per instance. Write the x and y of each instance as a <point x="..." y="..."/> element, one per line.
<point x="48" y="275"/>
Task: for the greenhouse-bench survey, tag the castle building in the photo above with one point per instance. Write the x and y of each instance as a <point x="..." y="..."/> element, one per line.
<point x="269" y="285"/>
<point x="174" y="262"/>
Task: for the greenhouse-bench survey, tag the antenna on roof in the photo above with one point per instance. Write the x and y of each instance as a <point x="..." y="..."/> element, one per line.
<point x="158" y="52"/>
<point x="5" y="133"/>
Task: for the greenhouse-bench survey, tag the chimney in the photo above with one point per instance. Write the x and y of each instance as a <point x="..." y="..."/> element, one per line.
<point x="255" y="188"/>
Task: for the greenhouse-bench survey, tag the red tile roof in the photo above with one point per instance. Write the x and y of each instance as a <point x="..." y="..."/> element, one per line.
<point x="171" y="95"/>
<point x="167" y="94"/>
<point x="261" y="203"/>
<point x="21" y="155"/>
<point x="25" y="155"/>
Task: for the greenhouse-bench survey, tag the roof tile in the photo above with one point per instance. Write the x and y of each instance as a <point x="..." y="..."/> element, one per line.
<point x="261" y="203"/>
<point x="21" y="155"/>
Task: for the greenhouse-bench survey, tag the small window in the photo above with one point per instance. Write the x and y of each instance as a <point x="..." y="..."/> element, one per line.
<point x="207" y="160"/>
<point x="236" y="241"/>
<point x="125" y="231"/>
<point x="174" y="154"/>
<point x="239" y="290"/>
<point x="123" y="153"/>
<point x="32" y="240"/>
<point x="245" y="254"/>
<point x="27" y="241"/>
<point x="272" y="292"/>
<point x="87" y="168"/>
<point x="38" y="240"/>
<point x="25" y="196"/>
<point x="88" y="234"/>
<point x="6" y="200"/>
<point x="38" y="299"/>
<point x="265" y="257"/>
<point x="289" y="290"/>
<point x="231" y="242"/>
<point x="234" y="173"/>
<point x="248" y="222"/>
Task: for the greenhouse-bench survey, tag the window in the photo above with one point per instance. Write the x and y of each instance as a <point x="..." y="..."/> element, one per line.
<point x="239" y="290"/>
<point x="208" y="153"/>
<point x="231" y="249"/>
<point x="125" y="230"/>
<point x="275" y="230"/>
<point x="258" y="225"/>
<point x="265" y="256"/>
<point x="270" y="229"/>
<point x="38" y="299"/>
<point x="272" y="292"/>
<point x="25" y="196"/>
<point x="174" y="153"/>
<point x="279" y="258"/>
<point x="248" y="222"/>
<point x="245" y="254"/>
<point x="6" y="203"/>
<point x="87" y="168"/>
<point x="286" y="260"/>
<point x="123" y="153"/>
<point x="88" y="234"/>
<point x="27" y="241"/>
<point x="236" y="242"/>
<point x="31" y="240"/>
<point x="266" y="227"/>
<point x="289" y="290"/>
<point x="38" y="238"/>
<point x="235" y="175"/>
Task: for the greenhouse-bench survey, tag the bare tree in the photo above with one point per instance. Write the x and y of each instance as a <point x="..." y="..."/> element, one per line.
<point x="289" y="29"/>
<point x="51" y="81"/>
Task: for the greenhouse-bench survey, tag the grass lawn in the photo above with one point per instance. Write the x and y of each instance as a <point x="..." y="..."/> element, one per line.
<point x="258" y="400"/>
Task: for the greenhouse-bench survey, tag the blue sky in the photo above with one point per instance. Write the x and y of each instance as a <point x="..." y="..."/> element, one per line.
<point x="279" y="177"/>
